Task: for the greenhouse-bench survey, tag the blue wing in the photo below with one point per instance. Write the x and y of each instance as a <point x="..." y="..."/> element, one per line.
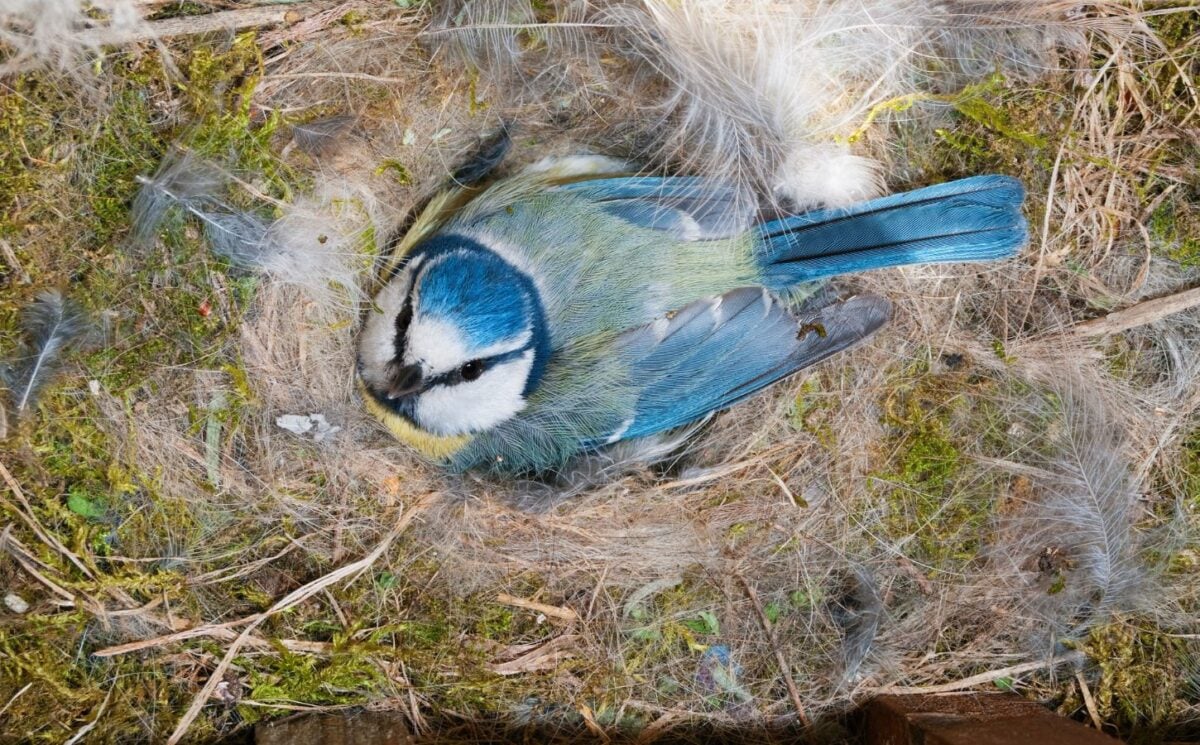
<point x="716" y="352"/>
<point x="688" y="207"/>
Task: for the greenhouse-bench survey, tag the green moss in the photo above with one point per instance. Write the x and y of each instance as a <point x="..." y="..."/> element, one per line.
<point x="220" y="91"/>
<point x="814" y="409"/>
<point x="1175" y="228"/>
<point x="1175" y="29"/>
<point x="127" y="146"/>
<point x="934" y="504"/>
<point x="347" y="676"/>
<point x="152" y="312"/>
<point x="1139" y="689"/>
<point x="26" y="140"/>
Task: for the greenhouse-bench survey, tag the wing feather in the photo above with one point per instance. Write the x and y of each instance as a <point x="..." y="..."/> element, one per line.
<point x="716" y="352"/>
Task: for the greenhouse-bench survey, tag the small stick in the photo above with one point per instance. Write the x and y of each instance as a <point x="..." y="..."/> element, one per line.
<point x="1088" y="700"/>
<point x="36" y="527"/>
<point x="554" y="611"/>
<point x="1147" y="311"/>
<point x="27" y="561"/>
<point x="589" y="721"/>
<point x="85" y="729"/>
<point x="659" y="727"/>
<point x="990" y="676"/>
<point x="711" y="476"/>
<point x="226" y="20"/>
<point x="11" y="258"/>
<point x="784" y="669"/>
<point x="217" y="630"/>
<point x="349" y="572"/>
<point x="15" y="696"/>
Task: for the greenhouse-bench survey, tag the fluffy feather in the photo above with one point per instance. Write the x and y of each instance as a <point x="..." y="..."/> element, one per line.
<point x="1076" y="547"/>
<point x="58" y="32"/>
<point x="321" y="243"/>
<point x="770" y="92"/>
<point x="321" y="136"/>
<point x="52" y="324"/>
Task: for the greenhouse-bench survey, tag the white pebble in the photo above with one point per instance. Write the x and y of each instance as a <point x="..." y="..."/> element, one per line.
<point x="16" y="603"/>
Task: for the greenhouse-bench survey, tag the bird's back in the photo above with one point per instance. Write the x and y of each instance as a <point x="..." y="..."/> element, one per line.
<point x="599" y="270"/>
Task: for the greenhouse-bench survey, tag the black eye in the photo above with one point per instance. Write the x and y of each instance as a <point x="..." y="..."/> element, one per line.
<point x="472" y="370"/>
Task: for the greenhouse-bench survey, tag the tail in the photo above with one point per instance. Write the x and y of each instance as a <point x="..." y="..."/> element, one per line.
<point x="974" y="219"/>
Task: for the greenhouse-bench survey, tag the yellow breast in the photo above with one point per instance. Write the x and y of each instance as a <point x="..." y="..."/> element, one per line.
<point x="426" y="443"/>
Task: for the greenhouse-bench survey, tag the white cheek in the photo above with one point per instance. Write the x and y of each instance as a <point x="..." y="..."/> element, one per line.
<point x="478" y="404"/>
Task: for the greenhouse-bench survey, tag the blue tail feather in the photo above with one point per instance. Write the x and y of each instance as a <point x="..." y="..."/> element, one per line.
<point x="973" y="219"/>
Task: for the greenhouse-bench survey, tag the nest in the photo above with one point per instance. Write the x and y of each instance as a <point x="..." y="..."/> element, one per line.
<point x="1000" y="489"/>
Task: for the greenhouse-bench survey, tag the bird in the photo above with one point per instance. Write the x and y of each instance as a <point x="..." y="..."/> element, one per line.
<point x="573" y="305"/>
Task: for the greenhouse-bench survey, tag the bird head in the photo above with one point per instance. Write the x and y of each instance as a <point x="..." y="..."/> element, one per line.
<point x="456" y="341"/>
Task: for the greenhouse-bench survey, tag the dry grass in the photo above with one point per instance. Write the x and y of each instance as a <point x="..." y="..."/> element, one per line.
<point x="989" y="494"/>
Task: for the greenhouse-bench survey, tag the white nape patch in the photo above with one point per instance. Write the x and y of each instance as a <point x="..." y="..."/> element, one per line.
<point x="439" y="347"/>
<point x="827" y="176"/>
<point x="471" y="406"/>
<point x="616" y="436"/>
<point x="377" y="342"/>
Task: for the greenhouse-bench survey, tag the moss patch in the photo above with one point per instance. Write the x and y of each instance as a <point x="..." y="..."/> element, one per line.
<point x="934" y="506"/>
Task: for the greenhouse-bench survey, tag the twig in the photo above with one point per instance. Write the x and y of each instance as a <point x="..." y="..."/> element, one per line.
<point x="220" y="632"/>
<point x="414" y="708"/>
<point x="348" y="572"/>
<point x="220" y="575"/>
<point x="85" y="729"/>
<point x="554" y="611"/>
<point x="659" y="727"/>
<point x="713" y="475"/>
<point x="312" y="708"/>
<point x="589" y="721"/>
<point x="993" y="675"/>
<point x="1145" y="312"/>
<point x="10" y="258"/>
<point x="1014" y="467"/>
<point x="1088" y="700"/>
<point x="15" y="696"/>
<point x="225" y="20"/>
<point x="35" y="526"/>
<point x="784" y="669"/>
<point x="14" y="548"/>
<point x="382" y="79"/>
<point x="217" y="630"/>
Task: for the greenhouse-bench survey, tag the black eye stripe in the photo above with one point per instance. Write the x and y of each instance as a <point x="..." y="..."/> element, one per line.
<point x="456" y="376"/>
<point x="403" y="321"/>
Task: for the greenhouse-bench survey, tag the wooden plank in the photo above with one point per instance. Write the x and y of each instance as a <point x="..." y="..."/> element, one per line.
<point x="359" y="728"/>
<point x="971" y="719"/>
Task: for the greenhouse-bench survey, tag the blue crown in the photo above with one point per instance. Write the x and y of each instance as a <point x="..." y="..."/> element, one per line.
<point x="487" y="299"/>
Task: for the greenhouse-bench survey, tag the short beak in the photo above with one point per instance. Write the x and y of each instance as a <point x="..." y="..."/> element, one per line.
<point x="404" y="381"/>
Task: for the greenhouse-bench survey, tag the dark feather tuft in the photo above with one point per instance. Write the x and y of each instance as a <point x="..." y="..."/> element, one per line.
<point x="320" y="136"/>
<point x="487" y="157"/>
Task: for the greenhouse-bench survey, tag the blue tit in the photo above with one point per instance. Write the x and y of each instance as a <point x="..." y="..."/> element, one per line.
<point x="555" y="312"/>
